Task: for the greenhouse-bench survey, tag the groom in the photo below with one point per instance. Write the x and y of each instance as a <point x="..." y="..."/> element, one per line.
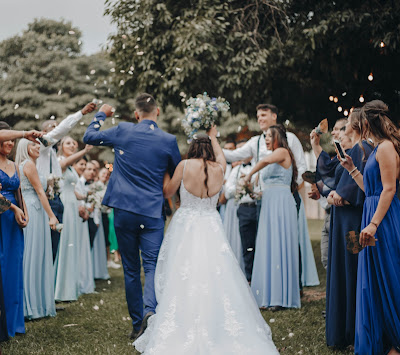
<point x="143" y="153"/>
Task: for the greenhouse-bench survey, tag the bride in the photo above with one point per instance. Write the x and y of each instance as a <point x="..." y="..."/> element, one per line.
<point x="205" y="305"/>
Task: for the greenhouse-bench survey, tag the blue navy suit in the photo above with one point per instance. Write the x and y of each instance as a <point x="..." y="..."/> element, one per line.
<point x="143" y="153"/>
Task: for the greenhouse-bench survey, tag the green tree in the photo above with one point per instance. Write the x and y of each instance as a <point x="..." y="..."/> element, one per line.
<point x="294" y="54"/>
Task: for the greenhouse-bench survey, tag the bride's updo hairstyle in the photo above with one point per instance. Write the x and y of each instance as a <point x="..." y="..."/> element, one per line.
<point x="279" y="140"/>
<point x="201" y="148"/>
<point x="376" y="115"/>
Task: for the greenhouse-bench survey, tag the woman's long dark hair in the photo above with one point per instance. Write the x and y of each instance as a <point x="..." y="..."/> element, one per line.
<point x="201" y="148"/>
<point x="278" y="133"/>
<point x="376" y="113"/>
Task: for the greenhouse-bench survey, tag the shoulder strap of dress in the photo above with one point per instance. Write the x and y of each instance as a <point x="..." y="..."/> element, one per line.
<point x="184" y="168"/>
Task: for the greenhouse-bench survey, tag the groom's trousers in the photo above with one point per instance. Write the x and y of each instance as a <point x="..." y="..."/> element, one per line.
<point x="136" y="232"/>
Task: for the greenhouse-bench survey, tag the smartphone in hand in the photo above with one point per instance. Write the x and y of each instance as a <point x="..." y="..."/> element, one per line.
<point x="339" y="149"/>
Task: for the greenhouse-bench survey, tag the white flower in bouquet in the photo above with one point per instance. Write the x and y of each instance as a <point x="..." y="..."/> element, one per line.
<point x="243" y="189"/>
<point x="201" y="113"/>
<point x="53" y="186"/>
<point x="96" y="194"/>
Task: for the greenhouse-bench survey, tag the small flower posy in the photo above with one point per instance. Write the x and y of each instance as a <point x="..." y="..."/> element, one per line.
<point x="201" y="113"/>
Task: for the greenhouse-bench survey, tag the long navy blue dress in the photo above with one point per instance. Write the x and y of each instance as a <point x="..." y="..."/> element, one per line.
<point x="342" y="265"/>
<point x="378" y="301"/>
<point x="11" y="258"/>
<point x="3" y="321"/>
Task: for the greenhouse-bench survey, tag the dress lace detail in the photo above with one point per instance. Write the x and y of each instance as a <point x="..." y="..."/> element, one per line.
<point x="205" y="305"/>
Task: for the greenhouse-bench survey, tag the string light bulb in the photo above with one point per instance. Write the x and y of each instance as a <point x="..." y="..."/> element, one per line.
<point x="340" y="109"/>
<point x="382" y="44"/>
<point x="335" y="99"/>
<point x="331" y="98"/>
<point x="346" y="113"/>
<point x="361" y="99"/>
<point x="370" y="77"/>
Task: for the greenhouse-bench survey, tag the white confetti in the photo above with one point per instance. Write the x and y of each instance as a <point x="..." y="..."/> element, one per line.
<point x="70" y="325"/>
<point x="148" y="99"/>
<point x="291" y="335"/>
<point x="101" y="142"/>
<point x="59" y="92"/>
<point x="142" y="226"/>
<point x="108" y="90"/>
<point x="122" y="71"/>
<point x="79" y="42"/>
<point x="95" y="119"/>
<point x="132" y="68"/>
<point x="104" y="289"/>
<point x="122" y="82"/>
<point x="112" y="70"/>
<point x="178" y="69"/>
<point x="152" y="127"/>
<point x="73" y="184"/>
<point x="124" y="36"/>
<point x="258" y="292"/>
<point x="16" y="106"/>
<point x="105" y="82"/>
<point x="92" y="72"/>
<point x="113" y="150"/>
<point x="96" y="307"/>
<point x="101" y="302"/>
<point x="71" y="245"/>
<point x="37" y="116"/>
<point x="130" y="72"/>
<point x="82" y="123"/>
<point x="96" y="126"/>
<point x="81" y="304"/>
<point x="239" y="128"/>
<point x="124" y="319"/>
<point x="121" y="152"/>
<point x="113" y="120"/>
<point x="250" y="249"/>
<point x="128" y="318"/>
<point x="123" y="46"/>
<point x="113" y="109"/>
<point x="283" y="338"/>
<point x="140" y="53"/>
<point x="87" y="77"/>
<point x="95" y="91"/>
<point x="101" y="122"/>
<point x="109" y="282"/>
<point x="272" y="320"/>
<point x="52" y="117"/>
<point x="71" y="32"/>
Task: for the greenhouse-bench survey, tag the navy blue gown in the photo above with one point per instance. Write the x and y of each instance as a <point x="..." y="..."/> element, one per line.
<point x="3" y="321"/>
<point x="342" y="265"/>
<point x="11" y="259"/>
<point x="378" y="302"/>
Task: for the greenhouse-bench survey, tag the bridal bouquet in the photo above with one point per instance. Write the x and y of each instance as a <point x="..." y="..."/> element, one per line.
<point x="202" y="112"/>
<point x="243" y="189"/>
<point x="53" y="186"/>
<point x="96" y="194"/>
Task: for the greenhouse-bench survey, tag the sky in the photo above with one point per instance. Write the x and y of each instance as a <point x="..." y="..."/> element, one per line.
<point x="87" y="15"/>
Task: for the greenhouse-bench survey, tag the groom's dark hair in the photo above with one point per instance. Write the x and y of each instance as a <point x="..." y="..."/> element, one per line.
<point x="145" y="103"/>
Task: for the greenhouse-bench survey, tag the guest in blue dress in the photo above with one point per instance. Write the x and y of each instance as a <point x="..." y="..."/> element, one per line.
<point x="11" y="243"/>
<point x="67" y="264"/>
<point x="3" y="320"/>
<point x="275" y="278"/>
<point x="346" y="214"/>
<point x="38" y="255"/>
<point x="377" y="329"/>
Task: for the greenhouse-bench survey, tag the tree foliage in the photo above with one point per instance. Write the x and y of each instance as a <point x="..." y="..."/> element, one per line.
<point x="294" y="54"/>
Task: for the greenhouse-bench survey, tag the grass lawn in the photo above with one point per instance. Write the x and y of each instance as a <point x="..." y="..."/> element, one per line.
<point x="80" y="329"/>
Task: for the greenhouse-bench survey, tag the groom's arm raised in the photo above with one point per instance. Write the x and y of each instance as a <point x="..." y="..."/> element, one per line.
<point x="94" y="136"/>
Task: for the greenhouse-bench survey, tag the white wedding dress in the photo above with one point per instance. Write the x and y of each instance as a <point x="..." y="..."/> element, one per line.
<point x="205" y="305"/>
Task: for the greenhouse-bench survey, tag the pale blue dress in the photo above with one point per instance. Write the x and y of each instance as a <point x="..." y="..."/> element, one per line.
<point x="38" y="256"/>
<point x="99" y="255"/>
<point x="231" y="226"/>
<point x="275" y="278"/>
<point x="67" y="263"/>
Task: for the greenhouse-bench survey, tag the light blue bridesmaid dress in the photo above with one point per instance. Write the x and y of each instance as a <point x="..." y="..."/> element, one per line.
<point x="67" y="264"/>
<point x="99" y="255"/>
<point x="231" y="226"/>
<point x="275" y="278"/>
<point x="38" y="258"/>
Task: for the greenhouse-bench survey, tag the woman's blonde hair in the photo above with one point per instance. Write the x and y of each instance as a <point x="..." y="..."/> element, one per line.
<point x="22" y="151"/>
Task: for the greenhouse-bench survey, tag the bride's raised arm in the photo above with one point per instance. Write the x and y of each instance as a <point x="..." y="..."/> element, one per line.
<point x="219" y="155"/>
<point x="171" y="185"/>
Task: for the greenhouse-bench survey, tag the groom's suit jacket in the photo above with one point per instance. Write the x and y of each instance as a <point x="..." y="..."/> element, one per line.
<point x="143" y="153"/>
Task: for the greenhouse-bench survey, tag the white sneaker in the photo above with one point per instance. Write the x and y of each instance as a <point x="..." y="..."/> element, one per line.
<point x="112" y="265"/>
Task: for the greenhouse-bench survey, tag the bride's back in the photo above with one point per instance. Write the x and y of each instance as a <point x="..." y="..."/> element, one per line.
<point x="194" y="177"/>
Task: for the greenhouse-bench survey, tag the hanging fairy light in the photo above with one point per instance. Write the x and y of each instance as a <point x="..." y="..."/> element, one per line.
<point x="340" y="108"/>
<point x="346" y="113"/>
<point x="370" y="77"/>
<point x="361" y="99"/>
<point x="335" y="99"/>
<point x="382" y="44"/>
<point x="331" y="98"/>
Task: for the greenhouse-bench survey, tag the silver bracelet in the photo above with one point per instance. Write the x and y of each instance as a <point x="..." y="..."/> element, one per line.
<point x="351" y="172"/>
